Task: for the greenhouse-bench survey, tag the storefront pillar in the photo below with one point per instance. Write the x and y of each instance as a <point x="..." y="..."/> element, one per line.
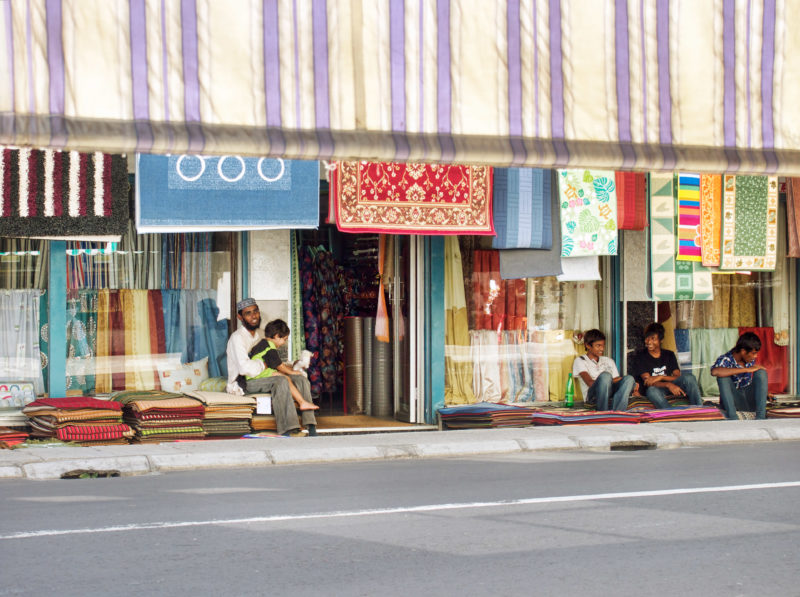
<point x="57" y="318"/>
<point x="434" y="327"/>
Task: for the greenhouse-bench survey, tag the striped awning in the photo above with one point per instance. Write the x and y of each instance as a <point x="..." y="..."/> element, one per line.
<point x="621" y="84"/>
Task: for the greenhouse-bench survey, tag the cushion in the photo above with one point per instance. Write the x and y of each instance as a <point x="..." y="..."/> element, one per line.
<point x="213" y="384"/>
<point x="187" y="377"/>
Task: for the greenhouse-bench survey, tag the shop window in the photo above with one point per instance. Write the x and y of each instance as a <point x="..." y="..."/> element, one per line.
<point x="510" y="340"/>
<point x="150" y="312"/>
<point x="23" y="320"/>
<point x="699" y="331"/>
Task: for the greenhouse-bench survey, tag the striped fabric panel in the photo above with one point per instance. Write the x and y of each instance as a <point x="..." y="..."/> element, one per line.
<point x="550" y="83"/>
<point x="49" y="192"/>
<point x="710" y="218"/>
<point x="689" y="237"/>
<point x="521" y="206"/>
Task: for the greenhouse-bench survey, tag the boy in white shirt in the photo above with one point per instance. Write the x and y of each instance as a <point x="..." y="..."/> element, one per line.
<point x="599" y="377"/>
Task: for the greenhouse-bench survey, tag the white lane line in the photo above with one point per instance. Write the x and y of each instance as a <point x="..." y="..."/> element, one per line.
<point x="401" y="510"/>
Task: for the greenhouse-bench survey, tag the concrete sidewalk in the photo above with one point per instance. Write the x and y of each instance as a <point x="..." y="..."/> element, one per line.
<point x="51" y="462"/>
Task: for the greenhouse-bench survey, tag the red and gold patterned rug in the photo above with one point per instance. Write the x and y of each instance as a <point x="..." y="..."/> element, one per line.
<point x="397" y="198"/>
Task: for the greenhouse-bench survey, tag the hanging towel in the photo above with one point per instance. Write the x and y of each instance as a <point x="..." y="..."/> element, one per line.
<point x="521" y="207"/>
<point x="50" y="193"/>
<point x="635" y="265"/>
<point x="750" y="223"/>
<point x="671" y="280"/>
<point x="534" y="263"/>
<point x="399" y="198"/>
<point x="579" y="268"/>
<point x="631" y="200"/>
<point x="710" y="218"/>
<point x="689" y="239"/>
<point x="588" y="205"/>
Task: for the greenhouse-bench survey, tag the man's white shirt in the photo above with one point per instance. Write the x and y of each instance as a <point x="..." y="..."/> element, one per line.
<point x="593" y="368"/>
<point x="239" y="345"/>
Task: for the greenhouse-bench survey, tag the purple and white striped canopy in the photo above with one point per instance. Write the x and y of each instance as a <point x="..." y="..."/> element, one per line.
<point x="622" y="84"/>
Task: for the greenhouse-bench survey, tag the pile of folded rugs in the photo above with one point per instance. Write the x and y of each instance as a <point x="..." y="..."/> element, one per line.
<point x="681" y="413"/>
<point x="11" y="437"/>
<point x="485" y="414"/>
<point x="572" y="416"/>
<point x="87" y="421"/>
<point x="784" y="408"/>
<point x="157" y="416"/>
<point x="226" y="415"/>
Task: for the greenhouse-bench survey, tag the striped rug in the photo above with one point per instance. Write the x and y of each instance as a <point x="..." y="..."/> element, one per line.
<point x="61" y="194"/>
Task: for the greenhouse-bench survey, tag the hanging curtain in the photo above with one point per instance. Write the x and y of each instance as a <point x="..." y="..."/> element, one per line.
<point x="103" y="370"/>
<point x="485" y="358"/>
<point x="457" y="363"/>
<point x="323" y="312"/>
<point x="23" y="263"/>
<point x="81" y="341"/>
<point x="19" y="337"/>
<point x="298" y="326"/>
<point x="781" y="305"/>
<point x="382" y="316"/>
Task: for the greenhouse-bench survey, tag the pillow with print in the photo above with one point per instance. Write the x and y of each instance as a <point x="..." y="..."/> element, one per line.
<point x="187" y="377"/>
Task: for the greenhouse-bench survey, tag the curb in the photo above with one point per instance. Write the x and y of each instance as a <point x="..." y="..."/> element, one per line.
<point x="183" y="457"/>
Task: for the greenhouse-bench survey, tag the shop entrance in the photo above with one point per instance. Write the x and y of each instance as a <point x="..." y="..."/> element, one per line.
<point x="364" y="288"/>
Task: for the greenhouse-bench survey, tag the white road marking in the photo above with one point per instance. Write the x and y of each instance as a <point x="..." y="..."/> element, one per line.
<point x="69" y="498"/>
<point x="223" y="490"/>
<point x="400" y="510"/>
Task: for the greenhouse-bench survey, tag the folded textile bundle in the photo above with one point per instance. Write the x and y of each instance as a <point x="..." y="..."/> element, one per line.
<point x="681" y="413"/>
<point x="126" y="396"/>
<point x="226" y="415"/>
<point x="11" y="437"/>
<point x="789" y="412"/>
<point x="163" y="416"/>
<point x="485" y="414"/>
<point x="564" y="416"/>
<point x="82" y="419"/>
<point x="636" y="402"/>
<point x="263" y="423"/>
<point x="169" y="433"/>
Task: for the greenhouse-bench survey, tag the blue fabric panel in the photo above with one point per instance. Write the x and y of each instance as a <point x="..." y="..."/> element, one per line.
<point x="205" y="193"/>
<point x="522" y="208"/>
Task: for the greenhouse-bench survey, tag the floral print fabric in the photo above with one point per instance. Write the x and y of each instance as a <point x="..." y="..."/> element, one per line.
<point x="588" y="202"/>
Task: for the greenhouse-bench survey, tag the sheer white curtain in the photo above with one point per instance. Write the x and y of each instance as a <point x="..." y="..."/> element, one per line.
<point x="19" y="337"/>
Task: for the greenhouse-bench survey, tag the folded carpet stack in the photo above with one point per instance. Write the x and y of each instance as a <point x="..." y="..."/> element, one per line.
<point x="784" y="412"/>
<point x="158" y="416"/>
<point x="681" y="413"/>
<point x="88" y="421"/>
<point x="485" y="414"/>
<point x="226" y="415"/>
<point x="637" y="402"/>
<point x="264" y="423"/>
<point x="11" y="437"/>
<point x="574" y="416"/>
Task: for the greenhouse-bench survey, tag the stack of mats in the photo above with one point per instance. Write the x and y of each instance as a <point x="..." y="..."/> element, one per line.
<point x="88" y="421"/>
<point x="639" y="402"/>
<point x="485" y="414"/>
<point x="264" y="423"/>
<point x="226" y="415"/>
<point x="571" y="416"/>
<point x="11" y="437"/>
<point x="158" y="416"/>
<point x="681" y="413"/>
<point x="783" y="410"/>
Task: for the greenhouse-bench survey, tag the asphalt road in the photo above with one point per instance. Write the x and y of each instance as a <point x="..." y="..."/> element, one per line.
<point x="706" y="521"/>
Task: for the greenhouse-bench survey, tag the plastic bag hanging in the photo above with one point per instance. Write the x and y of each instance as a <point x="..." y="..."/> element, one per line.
<point x="381" y="317"/>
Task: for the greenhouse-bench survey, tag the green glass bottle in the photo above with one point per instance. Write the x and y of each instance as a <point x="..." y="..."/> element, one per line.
<point x="569" y="394"/>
